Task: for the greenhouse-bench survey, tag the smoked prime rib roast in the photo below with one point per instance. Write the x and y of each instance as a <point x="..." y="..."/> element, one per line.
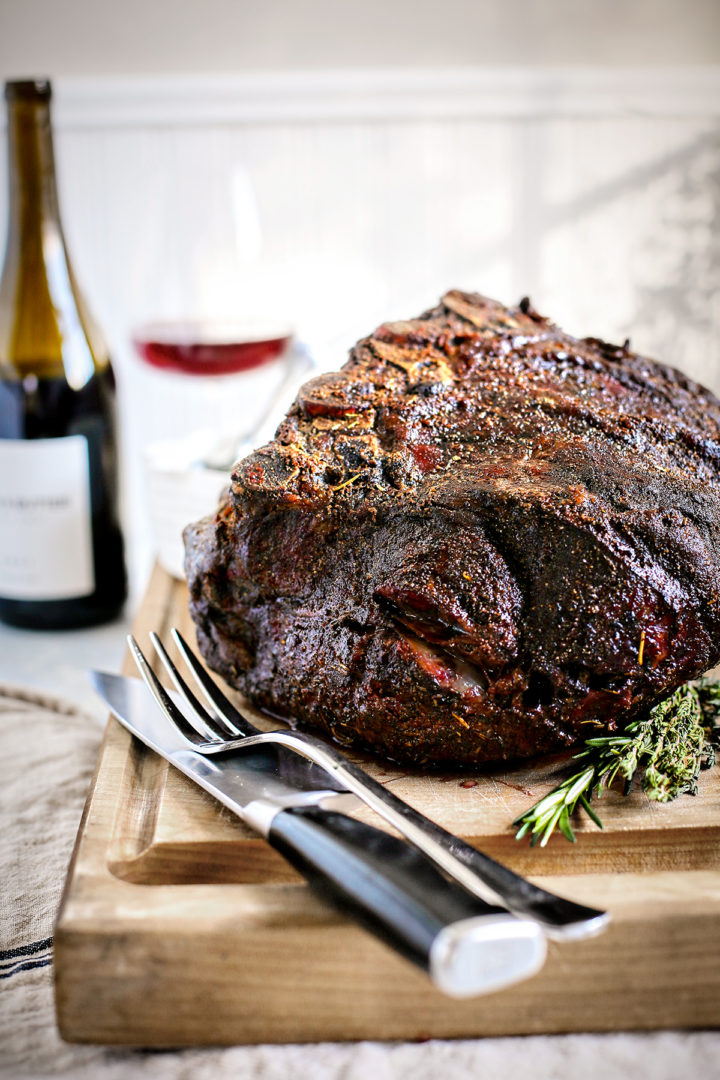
<point x="478" y="536"/>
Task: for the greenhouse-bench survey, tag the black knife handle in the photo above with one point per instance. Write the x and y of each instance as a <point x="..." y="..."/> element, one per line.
<point x="467" y="946"/>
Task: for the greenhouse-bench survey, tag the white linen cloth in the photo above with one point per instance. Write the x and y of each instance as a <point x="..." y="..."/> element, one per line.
<point x="47" y="753"/>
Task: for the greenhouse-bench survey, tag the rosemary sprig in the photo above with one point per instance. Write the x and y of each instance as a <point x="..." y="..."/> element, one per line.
<point x="709" y="693"/>
<point x="669" y="745"/>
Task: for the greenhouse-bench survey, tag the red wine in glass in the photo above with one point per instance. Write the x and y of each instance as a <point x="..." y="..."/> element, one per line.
<point x="200" y="348"/>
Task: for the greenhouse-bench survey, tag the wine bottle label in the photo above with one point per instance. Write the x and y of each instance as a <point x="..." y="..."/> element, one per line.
<point x="45" y="528"/>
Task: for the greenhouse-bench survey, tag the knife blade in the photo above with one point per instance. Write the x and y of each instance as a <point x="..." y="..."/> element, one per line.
<point x="129" y="698"/>
<point x="467" y="947"/>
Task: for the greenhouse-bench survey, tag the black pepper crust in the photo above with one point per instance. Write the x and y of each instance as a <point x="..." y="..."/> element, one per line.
<point x="478" y="536"/>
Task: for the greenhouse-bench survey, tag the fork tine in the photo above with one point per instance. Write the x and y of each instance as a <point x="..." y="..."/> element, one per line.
<point x="160" y="694"/>
<point x="213" y="726"/>
<point x="238" y="724"/>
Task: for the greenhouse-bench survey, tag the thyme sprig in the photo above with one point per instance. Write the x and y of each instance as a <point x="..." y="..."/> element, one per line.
<point x="668" y="746"/>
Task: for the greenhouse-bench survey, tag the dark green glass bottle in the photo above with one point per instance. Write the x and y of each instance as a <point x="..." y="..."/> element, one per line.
<point x="61" y="547"/>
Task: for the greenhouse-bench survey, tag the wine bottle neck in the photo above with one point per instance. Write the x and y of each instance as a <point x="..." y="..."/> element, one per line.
<point x="34" y="214"/>
<point x="45" y="329"/>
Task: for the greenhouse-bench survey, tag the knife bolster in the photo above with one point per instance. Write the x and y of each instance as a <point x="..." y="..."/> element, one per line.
<point x="260" y="814"/>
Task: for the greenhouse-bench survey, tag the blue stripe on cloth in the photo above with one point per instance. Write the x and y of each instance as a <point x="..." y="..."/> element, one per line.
<point x="26" y="950"/>
<point x="26" y="965"/>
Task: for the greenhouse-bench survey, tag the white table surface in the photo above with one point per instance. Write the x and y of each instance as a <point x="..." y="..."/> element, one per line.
<point x="56" y="661"/>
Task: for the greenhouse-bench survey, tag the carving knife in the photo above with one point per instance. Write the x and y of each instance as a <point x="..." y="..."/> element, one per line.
<point x="467" y="947"/>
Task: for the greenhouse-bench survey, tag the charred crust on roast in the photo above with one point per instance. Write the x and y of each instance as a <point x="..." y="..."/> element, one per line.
<point x="451" y="549"/>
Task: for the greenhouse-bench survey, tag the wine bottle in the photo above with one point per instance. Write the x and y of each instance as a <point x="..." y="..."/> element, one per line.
<point x="61" y="547"/>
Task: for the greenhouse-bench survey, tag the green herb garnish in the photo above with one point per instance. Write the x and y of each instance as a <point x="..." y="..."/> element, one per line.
<point x="669" y="746"/>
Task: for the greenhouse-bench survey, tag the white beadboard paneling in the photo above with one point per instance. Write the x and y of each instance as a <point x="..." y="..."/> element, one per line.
<point x="630" y="236"/>
<point x="506" y="93"/>
<point x="596" y="192"/>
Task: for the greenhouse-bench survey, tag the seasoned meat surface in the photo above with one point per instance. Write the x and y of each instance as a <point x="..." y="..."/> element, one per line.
<point x="476" y="541"/>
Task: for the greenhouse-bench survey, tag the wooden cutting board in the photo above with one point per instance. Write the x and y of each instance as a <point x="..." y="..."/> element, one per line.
<point x="180" y="927"/>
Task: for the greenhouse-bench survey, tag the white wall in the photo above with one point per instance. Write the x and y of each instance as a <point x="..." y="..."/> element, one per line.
<point x="102" y="37"/>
